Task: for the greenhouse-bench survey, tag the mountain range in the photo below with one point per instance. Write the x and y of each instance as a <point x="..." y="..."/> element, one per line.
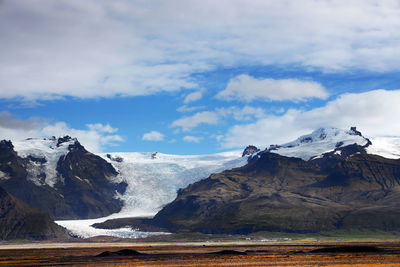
<point x="329" y="179"/>
<point x="291" y="189"/>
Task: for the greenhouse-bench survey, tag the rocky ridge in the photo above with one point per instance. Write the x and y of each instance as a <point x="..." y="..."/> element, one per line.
<point x="61" y="177"/>
<point x="332" y="184"/>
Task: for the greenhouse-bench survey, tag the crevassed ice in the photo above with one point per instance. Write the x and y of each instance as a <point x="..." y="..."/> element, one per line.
<point x="153" y="180"/>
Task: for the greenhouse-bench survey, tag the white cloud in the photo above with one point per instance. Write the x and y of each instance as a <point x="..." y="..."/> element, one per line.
<point x="185" y="108"/>
<point x="192" y="97"/>
<point x="242" y="114"/>
<point x="214" y="117"/>
<point x="247" y="88"/>
<point x="93" y="138"/>
<point x="192" y="139"/>
<point x="375" y="113"/>
<point x="153" y="136"/>
<point x="101" y="48"/>
<point x="102" y="128"/>
<point x="190" y="122"/>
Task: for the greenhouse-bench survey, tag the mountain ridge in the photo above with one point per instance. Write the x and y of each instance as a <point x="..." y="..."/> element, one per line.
<point x="76" y="186"/>
<point x="279" y="193"/>
<point x="19" y="221"/>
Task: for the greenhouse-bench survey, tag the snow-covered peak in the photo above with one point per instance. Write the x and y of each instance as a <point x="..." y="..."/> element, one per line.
<point x="38" y="147"/>
<point x="319" y="142"/>
<point x="44" y="155"/>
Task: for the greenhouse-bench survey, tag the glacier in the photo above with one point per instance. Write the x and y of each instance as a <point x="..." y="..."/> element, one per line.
<point x="153" y="178"/>
<point x="153" y="181"/>
<point x="84" y="229"/>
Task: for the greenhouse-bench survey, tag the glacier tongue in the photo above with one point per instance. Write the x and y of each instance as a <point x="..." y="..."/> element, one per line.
<point x="154" y="178"/>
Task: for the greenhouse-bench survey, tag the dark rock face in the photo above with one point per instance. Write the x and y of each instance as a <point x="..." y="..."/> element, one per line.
<point x="340" y="153"/>
<point x="277" y="193"/>
<point x="355" y="132"/>
<point x="85" y="190"/>
<point x="250" y="150"/>
<point x="18" y="221"/>
<point x="86" y="186"/>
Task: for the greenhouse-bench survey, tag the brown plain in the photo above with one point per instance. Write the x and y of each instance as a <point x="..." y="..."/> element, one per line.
<point x="196" y="254"/>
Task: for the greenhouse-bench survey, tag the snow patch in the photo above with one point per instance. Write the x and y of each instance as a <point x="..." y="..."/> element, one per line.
<point x="4" y="176"/>
<point x="42" y="173"/>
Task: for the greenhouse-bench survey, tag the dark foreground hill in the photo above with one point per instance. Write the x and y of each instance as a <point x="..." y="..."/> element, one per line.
<point x="18" y="221"/>
<point x="278" y="193"/>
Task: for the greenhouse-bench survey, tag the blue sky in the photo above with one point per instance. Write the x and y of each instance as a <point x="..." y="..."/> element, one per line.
<point x="195" y="77"/>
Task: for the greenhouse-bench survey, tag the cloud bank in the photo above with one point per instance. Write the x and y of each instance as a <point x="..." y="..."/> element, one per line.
<point x="247" y="88"/>
<point x="100" y="48"/>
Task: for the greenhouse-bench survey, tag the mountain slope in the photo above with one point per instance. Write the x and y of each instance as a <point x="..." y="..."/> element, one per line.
<point x="18" y="221"/>
<point x="59" y="176"/>
<point x="278" y="193"/>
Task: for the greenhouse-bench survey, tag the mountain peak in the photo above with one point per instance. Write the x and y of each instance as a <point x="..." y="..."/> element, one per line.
<point x="250" y="150"/>
<point x="6" y="145"/>
<point x="65" y="139"/>
<point x="320" y="141"/>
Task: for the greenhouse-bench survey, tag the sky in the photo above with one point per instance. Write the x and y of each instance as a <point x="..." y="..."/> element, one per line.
<point x="197" y="77"/>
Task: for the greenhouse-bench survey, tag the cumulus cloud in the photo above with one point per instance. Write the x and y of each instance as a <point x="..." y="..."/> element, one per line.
<point x="375" y="113"/>
<point x="7" y="120"/>
<point x="185" y="108"/>
<point x="190" y="122"/>
<point x="192" y="97"/>
<point x="241" y="114"/>
<point x="94" y="138"/>
<point x="214" y="117"/>
<point x="102" y="128"/>
<point x="153" y="136"/>
<point x="247" y="88"/>
<point x="93" y="48"/>
<point x="192" y="139"/>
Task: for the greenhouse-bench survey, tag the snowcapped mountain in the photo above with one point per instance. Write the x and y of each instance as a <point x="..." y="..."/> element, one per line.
<point x="320" y="141"/>
<point x="61" y="177"/>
